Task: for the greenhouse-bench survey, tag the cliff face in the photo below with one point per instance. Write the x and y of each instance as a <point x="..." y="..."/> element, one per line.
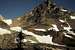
<point x="46" y="26"/>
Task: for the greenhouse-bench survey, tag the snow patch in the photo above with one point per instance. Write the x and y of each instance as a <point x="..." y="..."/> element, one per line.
<point x="55" y="27"/>
<point x="40" y="30"/>
<point x="4" y="31"/>
<point x="31" y="41"/>
<point x="72" y="17"/>
<point x="16" y="29"/>
<point x="26" y="40"/>
<point x="51" y="28"/>
<point x="67" y="35"/>
<point x="8" y="21"/>
<point x="71" y="32"/>
<point x="42" y="39"/>
<point x="64" y="10"/>
<point x="67" y="28"/>
<point x="27" y="32"/>
<point x="62" y="21"/>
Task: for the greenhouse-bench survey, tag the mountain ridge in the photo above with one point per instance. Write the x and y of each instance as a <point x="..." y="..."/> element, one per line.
<point x="46" y="24"/>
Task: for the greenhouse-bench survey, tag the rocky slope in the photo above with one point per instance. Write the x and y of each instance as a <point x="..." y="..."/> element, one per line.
<point x="47" y="26"/>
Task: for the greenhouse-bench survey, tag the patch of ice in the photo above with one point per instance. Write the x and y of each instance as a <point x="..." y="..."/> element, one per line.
<point x="72" y="17"/>
<point x="55" y="27"/>
<point x="8" y="21"/>
<point x="16" y="29"/>
<point x="4" y="31"/>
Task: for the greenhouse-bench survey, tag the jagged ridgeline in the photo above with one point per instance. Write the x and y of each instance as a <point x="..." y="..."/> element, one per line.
<point x="45" y="27"/>
<point x="44" y="14"/>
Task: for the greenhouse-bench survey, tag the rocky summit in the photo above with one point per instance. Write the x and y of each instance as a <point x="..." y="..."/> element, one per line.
<point x="46" y="27"/>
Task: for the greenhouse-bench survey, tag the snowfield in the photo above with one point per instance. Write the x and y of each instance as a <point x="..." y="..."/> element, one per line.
<point x="42" y="39"/>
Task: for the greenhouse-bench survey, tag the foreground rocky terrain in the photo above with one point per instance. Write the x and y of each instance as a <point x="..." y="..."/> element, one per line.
<point x="46" y="27"/>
